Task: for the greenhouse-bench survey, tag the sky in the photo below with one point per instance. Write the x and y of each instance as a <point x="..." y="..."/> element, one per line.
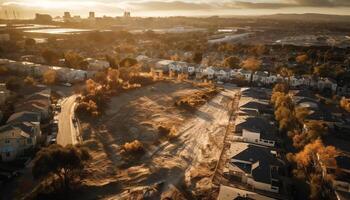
<point x="27" y="8"/>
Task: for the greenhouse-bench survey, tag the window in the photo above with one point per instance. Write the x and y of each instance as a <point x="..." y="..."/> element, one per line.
<point x="29" y="141"/>
<point x="8" y="154"/>
<point x="7" y="141"/>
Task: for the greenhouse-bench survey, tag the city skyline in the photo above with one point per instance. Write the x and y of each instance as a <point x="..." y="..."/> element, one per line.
<point x="27" y="8"/>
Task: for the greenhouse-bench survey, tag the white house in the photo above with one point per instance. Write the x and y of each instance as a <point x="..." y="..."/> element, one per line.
<point x="210" y="72"/>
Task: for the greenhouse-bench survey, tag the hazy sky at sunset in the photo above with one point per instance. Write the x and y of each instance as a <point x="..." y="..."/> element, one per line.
<point x="27" y="8"/>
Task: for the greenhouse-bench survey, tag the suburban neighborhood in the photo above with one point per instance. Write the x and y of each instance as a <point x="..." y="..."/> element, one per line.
<point x="219" y="107"/>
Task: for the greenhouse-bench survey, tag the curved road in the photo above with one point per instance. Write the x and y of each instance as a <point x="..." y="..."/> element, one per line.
<point x="67" y="131"/>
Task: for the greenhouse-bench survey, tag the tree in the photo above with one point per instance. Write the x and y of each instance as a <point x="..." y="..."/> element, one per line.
<point x="280" y="87"/>
<point x="73" y="60"/>
<point x="286" y="73"/>
<point x="127" y="62"/>
<point x="13" y="83"/>
<point x="62" y="164"/>
<point x="50" y="77"/>
<point x="91" y="86"/>
<point x="197" y="57"/>
<point x="252" y="64"/>
<point x="302" y="58"/>
<point x="30" y="80"/>
<point x="49" y="56"/>
<point x="345" y="104"/>
<point x="29" y="42"/>
<point x="231" y="62"/>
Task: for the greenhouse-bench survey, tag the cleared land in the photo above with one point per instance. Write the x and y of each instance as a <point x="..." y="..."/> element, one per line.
<point x="175" y="166"/>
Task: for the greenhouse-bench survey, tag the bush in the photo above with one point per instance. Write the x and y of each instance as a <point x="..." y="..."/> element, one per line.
<point x="30" y="80"/>
<point x="3" y="70"/>
<point x="50" y="77"/>
<point x="170" y="133"/>
<point x="67" y="163"/>
<point x="133" y="147"/>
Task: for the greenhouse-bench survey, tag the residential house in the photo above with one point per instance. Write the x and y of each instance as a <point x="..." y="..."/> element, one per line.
<point x="39" y="102"/>
<point x="255" y="165"/>
<point x="24" y="116"/>
<point x="4" y="93"/>
<point x="209" y="72"/>
<point x="232" y="193"/>
<point x="327" y="84"/>
<point x="14" y="142"/>
<point x="261" y="77"/>
<point x="256" y="130"/>
<point x="245" y="73"/>
<point x="164" y="65"/>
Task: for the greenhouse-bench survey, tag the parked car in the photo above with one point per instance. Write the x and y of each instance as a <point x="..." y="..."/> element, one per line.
<point x="67" y="84"/>
<point x="58" y="107"/>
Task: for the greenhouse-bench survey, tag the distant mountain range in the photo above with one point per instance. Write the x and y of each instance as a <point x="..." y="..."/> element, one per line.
<point x="308" y="17"/>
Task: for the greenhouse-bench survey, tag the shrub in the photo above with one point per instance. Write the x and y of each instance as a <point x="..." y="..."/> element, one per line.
<point x="133" y="147"/>
<point x="30" y="80"/>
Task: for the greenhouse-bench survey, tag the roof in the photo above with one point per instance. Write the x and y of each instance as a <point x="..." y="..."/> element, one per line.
<point x="255" y="104"/>
<point x="261" y="158"/>
<point x="27" y="127"/>
<point x="343" y="162"/>
<point x="9" y="127"/>
<point x="24" y="116"/>
<point x="265" y="127"/>
<point x="256" y="93"/>
<point x="231" y="193"/>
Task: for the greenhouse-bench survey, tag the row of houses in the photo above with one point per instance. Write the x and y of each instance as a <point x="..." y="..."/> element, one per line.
<point x="22" y="131"/>
<point x="226" y="74"/>
<point x="254" y="160"/>
<point x="37" y="70"/>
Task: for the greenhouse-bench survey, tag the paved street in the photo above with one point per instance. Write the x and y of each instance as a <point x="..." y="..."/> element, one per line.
<point x="67" y="132"/>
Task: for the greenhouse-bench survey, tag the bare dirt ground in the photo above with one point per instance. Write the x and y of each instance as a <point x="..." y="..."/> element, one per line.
<point x="181" y="168"/>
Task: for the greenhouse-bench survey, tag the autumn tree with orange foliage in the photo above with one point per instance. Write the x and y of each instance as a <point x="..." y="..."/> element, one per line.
<point x="345" y="104"/>
<point x="308" y="164"/>
<point x="302" y="58"/>
<point x="50" y="77"/>
<point x="252" y="64"/>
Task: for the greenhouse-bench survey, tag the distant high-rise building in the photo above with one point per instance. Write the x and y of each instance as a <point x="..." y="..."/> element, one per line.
<point x="127" y="14"/>
<point x="91" y="14"/>
<point x="43" y="18"/>
<point x="66" y="15"/>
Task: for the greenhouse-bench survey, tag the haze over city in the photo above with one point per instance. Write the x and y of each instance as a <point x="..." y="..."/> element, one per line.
<point x="175" y="100"/>
<point x="28" y="8"/>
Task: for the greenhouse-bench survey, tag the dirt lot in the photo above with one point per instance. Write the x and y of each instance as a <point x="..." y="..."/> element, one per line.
<point x="182" y="167"/>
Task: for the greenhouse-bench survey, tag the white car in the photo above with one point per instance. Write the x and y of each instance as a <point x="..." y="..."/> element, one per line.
<point x="67" y="84"/>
